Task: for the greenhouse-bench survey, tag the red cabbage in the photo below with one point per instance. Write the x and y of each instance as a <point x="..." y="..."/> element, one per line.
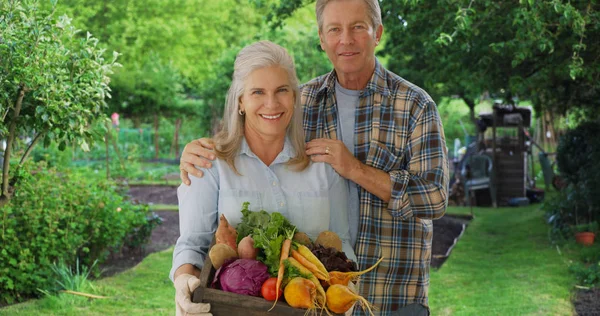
<point x="241" y="276"/>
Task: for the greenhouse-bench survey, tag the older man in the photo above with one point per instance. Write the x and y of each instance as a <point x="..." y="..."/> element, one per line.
<point x="385" y="135"/>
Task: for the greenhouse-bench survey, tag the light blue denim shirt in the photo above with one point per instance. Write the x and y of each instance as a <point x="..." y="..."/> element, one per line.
<point x="315" y="200"/>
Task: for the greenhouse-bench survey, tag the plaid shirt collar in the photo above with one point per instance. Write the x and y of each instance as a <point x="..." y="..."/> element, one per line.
<point x="377" y="83"/>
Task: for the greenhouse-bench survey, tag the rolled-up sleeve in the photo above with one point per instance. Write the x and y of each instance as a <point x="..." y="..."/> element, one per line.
<point x="198" y="213"/>
<point x="422" y="190"/>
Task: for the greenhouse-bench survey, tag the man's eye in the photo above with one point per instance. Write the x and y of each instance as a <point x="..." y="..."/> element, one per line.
<point x="334" y="29"/>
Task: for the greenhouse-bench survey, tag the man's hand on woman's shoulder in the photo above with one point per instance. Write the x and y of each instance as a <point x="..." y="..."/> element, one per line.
<point x="198" y="153"/>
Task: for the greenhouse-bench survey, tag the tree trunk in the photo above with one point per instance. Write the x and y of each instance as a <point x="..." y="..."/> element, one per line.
<point x="471" y="104"/>
<point x="107" y="156"/>
<point x="215" y="121"/>
<point x="114" y="143"/>
<point x="35" y="140"/>
<point x="176" y="137"/>
<point x="137" y="122"/>
<point x="6" y="192"/>
<point x="155" y="135"/>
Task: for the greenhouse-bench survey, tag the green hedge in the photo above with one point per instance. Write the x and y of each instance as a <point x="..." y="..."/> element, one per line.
<point x="59" y="216"/>
<point x="578" y="159"/>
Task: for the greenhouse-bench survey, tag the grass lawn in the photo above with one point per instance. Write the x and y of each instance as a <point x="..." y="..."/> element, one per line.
<point x="143" y="290"/>
<point x="503" y="265"/>
<point x="163" y="207"/>
<point x="172" y="182"/>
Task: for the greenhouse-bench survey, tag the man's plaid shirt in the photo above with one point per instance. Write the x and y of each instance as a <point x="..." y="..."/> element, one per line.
<point x="397" y="130"/>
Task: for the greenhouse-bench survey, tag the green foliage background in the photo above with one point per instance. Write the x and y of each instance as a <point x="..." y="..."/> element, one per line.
<point x="78" y="216"/>
<point x="177" y="58"/>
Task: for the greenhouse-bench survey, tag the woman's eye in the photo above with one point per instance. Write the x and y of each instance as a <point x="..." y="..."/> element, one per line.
<point x="257" y="92"/>
<point x="283" y="90"/>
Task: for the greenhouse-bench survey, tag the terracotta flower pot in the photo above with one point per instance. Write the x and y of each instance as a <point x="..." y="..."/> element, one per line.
<point x="585" y="238"/>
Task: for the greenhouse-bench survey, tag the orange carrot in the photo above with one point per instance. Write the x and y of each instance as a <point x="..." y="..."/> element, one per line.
<point x="343" y="278"/>
<point x="309" y="265"/>
<point x="285" y="253"/>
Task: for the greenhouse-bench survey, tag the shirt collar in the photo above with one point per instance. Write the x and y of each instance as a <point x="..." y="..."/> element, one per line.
<point x="284" y="156"/>
<point x="377" y="83"/>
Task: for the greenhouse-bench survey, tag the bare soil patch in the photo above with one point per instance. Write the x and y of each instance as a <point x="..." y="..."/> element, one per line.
<point x="154" y="194"/>
<point x="446" y="232"/>
<point x="162" y="237"/>
<point x="587" y="303"/>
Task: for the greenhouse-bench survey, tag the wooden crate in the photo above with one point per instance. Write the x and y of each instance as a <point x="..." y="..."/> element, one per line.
<point x="230" y="304"/>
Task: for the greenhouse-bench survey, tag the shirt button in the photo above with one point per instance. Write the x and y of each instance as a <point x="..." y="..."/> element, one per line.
<point x="281" y="204"/>
<point x="274" y="183"/>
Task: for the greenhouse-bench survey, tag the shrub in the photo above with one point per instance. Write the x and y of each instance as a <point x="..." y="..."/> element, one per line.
<point x="578" y="204"/>
<point x="61" y="216"/>
<point x="577" y="157"/>
<point x="53" y="82"/>
<point x="586" y="274"/>
<point x="560" y="212"/>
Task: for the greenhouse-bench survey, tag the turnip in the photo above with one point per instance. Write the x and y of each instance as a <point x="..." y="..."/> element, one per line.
<point x="340" y="298"/>
<point x="300" y="293"/>
<point x="246" y="248"/>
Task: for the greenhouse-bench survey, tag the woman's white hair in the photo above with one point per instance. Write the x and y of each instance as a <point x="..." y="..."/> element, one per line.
<point x="252" y="57"/>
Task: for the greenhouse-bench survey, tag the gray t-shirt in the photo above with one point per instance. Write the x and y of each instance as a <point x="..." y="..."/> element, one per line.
<point x="347" y="102"/>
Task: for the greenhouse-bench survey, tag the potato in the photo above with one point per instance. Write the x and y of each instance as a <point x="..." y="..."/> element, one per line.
<point x="219" y="253"/>
<point x="246" y="248"/>
<point x="329" y="239"/>
<point x="302" y="238"/>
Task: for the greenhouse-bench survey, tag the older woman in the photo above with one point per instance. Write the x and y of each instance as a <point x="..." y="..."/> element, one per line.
<point x="260" y="159"/>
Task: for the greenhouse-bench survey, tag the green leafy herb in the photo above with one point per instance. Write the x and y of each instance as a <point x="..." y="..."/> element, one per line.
<point x="250" y="221"/>
<point x="268" y="231"/>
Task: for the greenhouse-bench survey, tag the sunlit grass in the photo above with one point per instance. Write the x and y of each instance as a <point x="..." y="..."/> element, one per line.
<point x="142" y="290"/>
<point x="504" y="264"/>
<point x="163" y="207"/>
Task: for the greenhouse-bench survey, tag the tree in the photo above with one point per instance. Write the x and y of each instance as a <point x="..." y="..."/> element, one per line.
<point x="181" y="42"/>
<point x="544" y="51"/>
<point x="148" y="90"/>
<point x="298" y="35"/>
<point x="53" y="82"/>
<point x="538" y="50"/>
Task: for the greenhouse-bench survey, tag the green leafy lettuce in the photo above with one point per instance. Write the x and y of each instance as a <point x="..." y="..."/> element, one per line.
<point x="268" y="231"/>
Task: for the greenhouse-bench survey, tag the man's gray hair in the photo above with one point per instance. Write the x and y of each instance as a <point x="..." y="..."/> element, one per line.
<point x="373" y="10"/>
<point x="255" y="56"/>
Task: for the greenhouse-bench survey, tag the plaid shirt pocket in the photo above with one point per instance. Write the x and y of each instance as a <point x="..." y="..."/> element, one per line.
<point x="382" y="158"/>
